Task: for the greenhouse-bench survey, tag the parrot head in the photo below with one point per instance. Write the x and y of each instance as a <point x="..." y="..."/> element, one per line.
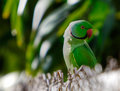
<point x="81" y="29"/>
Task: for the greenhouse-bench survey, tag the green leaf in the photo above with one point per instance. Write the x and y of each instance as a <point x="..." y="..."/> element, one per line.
<point x="7" y="9"/>
<point x="77" y="14"/>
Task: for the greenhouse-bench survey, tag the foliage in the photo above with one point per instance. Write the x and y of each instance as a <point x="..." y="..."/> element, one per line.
<point x="31" y="36"/>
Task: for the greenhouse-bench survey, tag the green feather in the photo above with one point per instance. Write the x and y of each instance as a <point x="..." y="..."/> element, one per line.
<point x="76" y="51"/>
<point x="85" y="53"/>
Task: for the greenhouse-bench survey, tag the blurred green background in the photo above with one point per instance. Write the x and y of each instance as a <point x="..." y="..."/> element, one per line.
<point x="31" y="32"/>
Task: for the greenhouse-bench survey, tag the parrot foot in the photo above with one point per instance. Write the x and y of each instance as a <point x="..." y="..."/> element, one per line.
<point x="84" y="72"/>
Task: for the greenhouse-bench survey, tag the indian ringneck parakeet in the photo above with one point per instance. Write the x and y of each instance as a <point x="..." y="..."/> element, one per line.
<point x="76" y="51"/>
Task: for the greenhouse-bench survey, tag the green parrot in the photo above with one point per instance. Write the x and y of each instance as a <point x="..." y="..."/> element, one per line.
<point x="76" y="51"/>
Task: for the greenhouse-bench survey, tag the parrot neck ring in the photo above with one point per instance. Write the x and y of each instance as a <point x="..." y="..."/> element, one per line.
<point x="78" y="37"/>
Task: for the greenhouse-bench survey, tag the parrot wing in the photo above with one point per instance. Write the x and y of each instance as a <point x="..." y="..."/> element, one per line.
<point x="83" y="55"/>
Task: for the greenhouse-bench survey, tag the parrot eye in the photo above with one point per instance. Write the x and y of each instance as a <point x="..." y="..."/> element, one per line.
<point x="82" y="27"/>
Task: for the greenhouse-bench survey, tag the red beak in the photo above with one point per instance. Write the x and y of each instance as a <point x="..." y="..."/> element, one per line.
<point x="89" y="33"/>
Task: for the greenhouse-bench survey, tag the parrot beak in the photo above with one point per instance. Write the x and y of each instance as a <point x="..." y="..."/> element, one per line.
<point x="89" y="33"/>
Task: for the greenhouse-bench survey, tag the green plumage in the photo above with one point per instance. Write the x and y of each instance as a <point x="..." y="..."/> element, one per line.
<point x="76" y="50"/>
<point x="83" y="55"/>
